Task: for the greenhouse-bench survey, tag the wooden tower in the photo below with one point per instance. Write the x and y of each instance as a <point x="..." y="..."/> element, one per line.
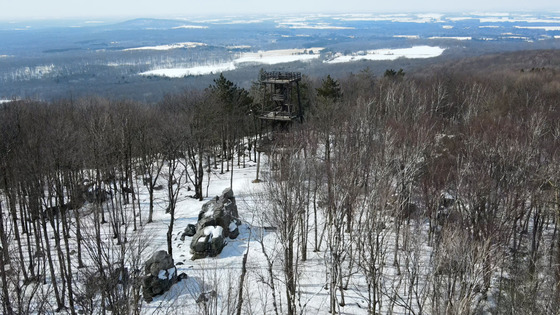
<point x="280" y="106"/>
<point x="281" y="101"/>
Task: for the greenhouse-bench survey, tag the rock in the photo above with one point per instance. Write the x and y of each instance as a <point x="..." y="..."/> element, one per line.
<point x="190" y="231"/>
<point x="234" y="229"/>
<point x="208" y="242"/>
<point x="182" y="276"/>
<point x="160" y="275"/>
<point x="217" y="220"/>
<point x="228" y="193"/>
<point x="216" y="245"/>
<point x="199" y="243"/>
<point x="160" y="260"/>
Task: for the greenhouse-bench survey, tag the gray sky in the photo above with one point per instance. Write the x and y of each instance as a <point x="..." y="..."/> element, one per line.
<point x="35" y="9"/>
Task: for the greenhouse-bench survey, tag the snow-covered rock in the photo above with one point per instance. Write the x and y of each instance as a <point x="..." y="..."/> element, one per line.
<point x="160" y="275"/>
<point x="217" y="220"/>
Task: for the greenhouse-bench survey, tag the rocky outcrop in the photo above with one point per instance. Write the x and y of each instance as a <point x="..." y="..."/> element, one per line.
<point x="160" y="274"/>
<point x="190" y="231"/>
<point x="217" y="220"/>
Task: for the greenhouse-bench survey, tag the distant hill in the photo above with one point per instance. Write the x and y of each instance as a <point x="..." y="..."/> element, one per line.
<point x="525" y="60"/>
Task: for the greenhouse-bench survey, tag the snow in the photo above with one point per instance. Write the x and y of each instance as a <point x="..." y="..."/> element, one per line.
<point x="546" y="28"/>
<point x="197" y="70"/>
<point x="166" y="274"/>
<point x="222" y="272"/>
<point x="407" y="36"/>
<point x="460" y="18"/>
<point x="171" y="272"/>
<point x="392" y="54"/>
<point x="190" y="27"/>
<point x="235" y="21"/>
<point x="400" y="18"/>
<point x="503" y="19"/>
<point x="5" y="101"/>
<point x="232" y="226"/>
<point x="214" y="231"/>
<point x="238" y="47"/>
<point x="272" y="57"/>
<point x="452" y="37"/>
<point x="431" y="16"/>
<point x="269" y="57"/>
<point x="208" y="214"/>
<point x="168" y="47"/>
<point x="318" y="26"/>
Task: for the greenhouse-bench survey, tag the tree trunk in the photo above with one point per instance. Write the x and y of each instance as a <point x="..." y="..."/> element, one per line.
<point x="4" y="260"/>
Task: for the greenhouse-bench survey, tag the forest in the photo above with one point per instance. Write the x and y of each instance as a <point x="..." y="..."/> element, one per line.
<point x="425" y="193"/>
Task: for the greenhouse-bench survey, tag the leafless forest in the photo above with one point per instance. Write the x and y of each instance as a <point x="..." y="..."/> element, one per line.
<point x="429" y="194"/>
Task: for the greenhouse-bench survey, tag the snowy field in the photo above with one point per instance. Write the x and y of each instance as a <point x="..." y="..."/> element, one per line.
<point x="168" y="47"/>
<point x="273" y="57"/>
<point x="269" y="57"/>
<point x="390" y="54"/>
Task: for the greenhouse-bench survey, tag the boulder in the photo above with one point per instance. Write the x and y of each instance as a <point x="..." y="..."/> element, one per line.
<point x="190" y="231"/>
<point x="160" y="275"/>
<point x="234" y="229"/>
<point x="208" y="241"/>
<point x="217" y="220"/>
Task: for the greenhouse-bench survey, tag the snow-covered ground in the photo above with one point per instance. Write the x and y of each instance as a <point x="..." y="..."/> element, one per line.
<point x="452" y="37"/>
<point x="391" y="54"/>
<point x="196" y="70"/>
<point x="407" y="36"/>
<point x="272" y="57"/>
<point x="546" y="28"/>
<point x="269" y="57"/>
<point x="190" y="27"/>
<point x="168" y="47"/>
<point x="222" y="273"/>
<point x="318" y="26"/>
<point x="404" y="284"/>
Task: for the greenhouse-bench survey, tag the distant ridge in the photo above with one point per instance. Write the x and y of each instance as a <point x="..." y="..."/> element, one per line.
<point x="493" y="63"/>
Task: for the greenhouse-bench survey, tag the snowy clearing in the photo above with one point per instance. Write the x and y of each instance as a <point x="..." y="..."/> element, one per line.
<point x="319" y="26"/>
<point x="168" y="47"/>
<point x="269" y="57"/>
<point x="451" y="37"/>
<point x="407" y="36"/>
<point x="190" y="27"/>
<point x="391" y="54"/>
<point x="546" y="28"/>
<point x="197" y="70"/>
